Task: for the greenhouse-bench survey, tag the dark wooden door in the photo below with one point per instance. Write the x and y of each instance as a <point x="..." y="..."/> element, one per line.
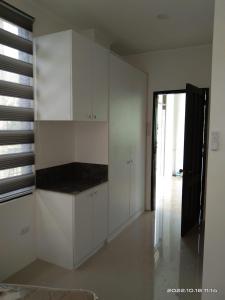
<point x="193" y="157"/>
<point x="154" y="151"/>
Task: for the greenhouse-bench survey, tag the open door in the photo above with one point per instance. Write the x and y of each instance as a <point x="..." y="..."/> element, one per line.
<point x="193" y="157"/>
<point x="154" y="151"/>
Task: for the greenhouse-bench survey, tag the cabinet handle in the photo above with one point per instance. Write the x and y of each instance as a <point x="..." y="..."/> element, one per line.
<point x="94" y="116"/>
<point x="89" y="116"/>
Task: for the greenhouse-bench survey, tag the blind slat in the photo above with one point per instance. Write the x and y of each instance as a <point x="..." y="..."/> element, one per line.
<point x="14" y="41"/>
<point x="11" y="89"/>
<point x="15" y="137"/>
<point x="16" y="16"/>
<point x="15" y="186"/>
<point x="15" y="66"/>
<point x="9" y="161"/>
<point x="15" y="183"/>
<point x="11" y="113"/>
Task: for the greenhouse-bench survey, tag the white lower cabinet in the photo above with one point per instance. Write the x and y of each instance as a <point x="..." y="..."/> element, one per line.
<point x="83" y="226"/>
<point x="100" y="216"/>
<point x="71" y="228"/>
<point x="91" y="210"/>
<point x="54" y="228"/>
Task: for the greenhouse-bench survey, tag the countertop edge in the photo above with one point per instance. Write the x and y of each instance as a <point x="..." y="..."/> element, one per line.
<point x="72" y="193"/>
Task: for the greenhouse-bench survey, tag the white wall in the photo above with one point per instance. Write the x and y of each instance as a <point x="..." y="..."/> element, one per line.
<point x="91" y="142"/>
<point x="59" y="143"/>
<point x="55" y="144"/>
<point x="179" y="122"/>
<point x="170" y="70"/>
<point x="16" y="235"/>
<point x="214" y="247"/>
<point x="169" y="135"/>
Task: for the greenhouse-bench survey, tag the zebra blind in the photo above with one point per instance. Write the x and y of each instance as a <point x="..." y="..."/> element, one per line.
<point x="16" y="103"/>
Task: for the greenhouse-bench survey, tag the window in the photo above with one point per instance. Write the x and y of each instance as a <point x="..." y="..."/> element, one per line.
<point x="16" y="103"/>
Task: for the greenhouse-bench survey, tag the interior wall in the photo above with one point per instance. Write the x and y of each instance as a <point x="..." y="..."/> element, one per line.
<point x="179" y="122"/>
<point x="54" y="144"/>
<point x="16" y="235"/>
<point x="214" y="245"/>
<point x="169" y="135"/>
<point x="171" y="70"/>
<point x="91" y="142"/>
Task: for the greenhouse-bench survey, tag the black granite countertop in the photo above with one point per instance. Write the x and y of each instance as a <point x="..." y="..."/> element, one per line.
<point x="72" y="178"/>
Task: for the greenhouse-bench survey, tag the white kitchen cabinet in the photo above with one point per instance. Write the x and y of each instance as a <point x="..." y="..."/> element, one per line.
<point x="81" y="81"/>
<point x="137" y="143"/>
<point x="91" y="209"/>
<point x="54" y="227"/>
<point x="100" y="215"/>
<point x="71" y="78"/>
<point x="71" y="228"/>
<point x="83" y="225"/>
<point x="126" y="143"/>
<point x="100" y="83"/>
<point x="119" y="193"/>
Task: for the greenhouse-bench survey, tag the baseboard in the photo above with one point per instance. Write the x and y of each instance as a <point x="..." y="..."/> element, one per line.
<point x="77" y="265"/>
<point x="116" y="232"/>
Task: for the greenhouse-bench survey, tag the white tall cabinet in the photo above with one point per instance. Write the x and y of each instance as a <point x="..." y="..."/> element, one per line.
<point x="71" y="78"/>
<point x="126" y="142"/>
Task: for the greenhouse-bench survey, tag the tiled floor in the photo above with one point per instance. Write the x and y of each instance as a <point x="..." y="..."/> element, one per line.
<point x="140" y="264"/>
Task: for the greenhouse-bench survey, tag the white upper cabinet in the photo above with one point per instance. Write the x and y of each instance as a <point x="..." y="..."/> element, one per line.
<point x="72" y="78"/>
<point x="82" y="77"/>
<point x="100" y="85"/>
<point x="53" y="81"/>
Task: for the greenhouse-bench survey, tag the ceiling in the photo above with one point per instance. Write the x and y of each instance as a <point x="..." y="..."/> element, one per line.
<point x="133" y="25"/>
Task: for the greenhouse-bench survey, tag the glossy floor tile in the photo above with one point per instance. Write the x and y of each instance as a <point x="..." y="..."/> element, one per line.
<point x="145" y="260"/>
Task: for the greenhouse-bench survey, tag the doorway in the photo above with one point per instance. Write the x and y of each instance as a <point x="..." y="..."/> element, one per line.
<point x="179" y="153"/>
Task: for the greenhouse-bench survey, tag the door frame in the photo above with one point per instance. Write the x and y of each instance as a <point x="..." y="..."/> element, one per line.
<point x="153" y="154"/>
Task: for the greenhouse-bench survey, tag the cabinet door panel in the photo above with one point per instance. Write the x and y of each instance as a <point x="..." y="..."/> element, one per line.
<point x="100" y="87"/>
<point x="54" y="227"/>
<point x="100" y="214"/>
<point x="119" y="141"/>
<point x="53" y="76"/>
<point x="137" y="146"/>
<point x="82" y="77"/>
<point x="83" y="225"/>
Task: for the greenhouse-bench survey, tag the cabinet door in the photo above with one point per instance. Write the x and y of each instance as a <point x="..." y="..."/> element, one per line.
<point x="100" y="82"/>
<point x="54" y="227"/>
<point x="137" y="145"/>
<point x="82" y="77"/>
<point x="100" y="214"/>
<point x="119" y="141"/>
<point x="53" y="76"/>
<point x="83" y="225"/>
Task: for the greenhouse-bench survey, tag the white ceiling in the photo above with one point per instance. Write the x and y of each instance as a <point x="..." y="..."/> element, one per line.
<point x="133" y="26"/>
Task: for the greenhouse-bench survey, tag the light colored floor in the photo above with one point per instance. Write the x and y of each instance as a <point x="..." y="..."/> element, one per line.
<point x="140" y="264"/>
